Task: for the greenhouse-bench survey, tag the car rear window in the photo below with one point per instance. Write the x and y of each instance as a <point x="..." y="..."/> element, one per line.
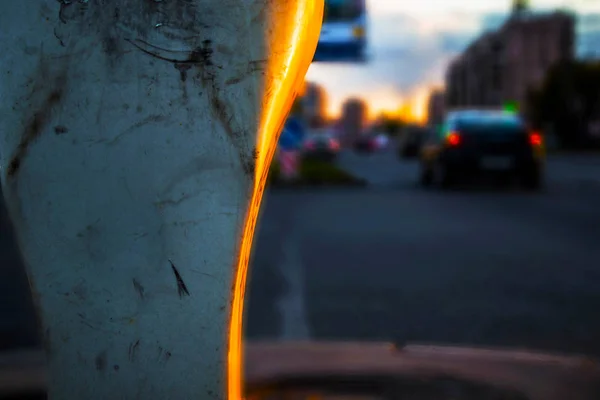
<point x="493" y="124"/>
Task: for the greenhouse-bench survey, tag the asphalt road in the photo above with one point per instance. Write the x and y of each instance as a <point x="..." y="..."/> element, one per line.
<point x="477" y="266"/>
<point x="395" y="262"/>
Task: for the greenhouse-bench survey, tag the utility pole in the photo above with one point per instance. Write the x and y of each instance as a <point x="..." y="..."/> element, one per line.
<point x="134" y="144"/>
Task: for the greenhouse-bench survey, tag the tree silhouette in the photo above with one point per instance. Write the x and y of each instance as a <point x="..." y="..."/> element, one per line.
<point x="520" y="6"/>
<point x="568" y="101"/>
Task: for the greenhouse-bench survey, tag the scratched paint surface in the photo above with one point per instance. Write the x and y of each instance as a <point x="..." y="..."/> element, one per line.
<point x="121" y="118"/>
<point x="124" y="114"/>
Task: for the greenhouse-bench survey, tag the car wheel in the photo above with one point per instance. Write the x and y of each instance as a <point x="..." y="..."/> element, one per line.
<point x="533" y="181"/>
<point x="426" y="176"/>
<point x="446" y="178"/>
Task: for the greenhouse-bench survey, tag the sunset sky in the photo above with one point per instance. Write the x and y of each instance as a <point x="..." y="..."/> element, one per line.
<point x="412" y="42"/>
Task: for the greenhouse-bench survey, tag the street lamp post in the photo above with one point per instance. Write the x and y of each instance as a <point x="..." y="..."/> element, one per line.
<point x="134" y="144"/>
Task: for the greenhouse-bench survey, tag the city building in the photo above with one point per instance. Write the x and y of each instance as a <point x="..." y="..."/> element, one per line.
<point x="353" y="119"/>
<point x="314" y="105"/>
<point x="436" y="107"/>
<point x="502" y="66"/>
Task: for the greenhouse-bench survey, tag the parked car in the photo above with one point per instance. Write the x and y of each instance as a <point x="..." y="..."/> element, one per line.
<point x="321" y="147"/>
<point x="476" y="143"/>
<point x="366" y="143"/>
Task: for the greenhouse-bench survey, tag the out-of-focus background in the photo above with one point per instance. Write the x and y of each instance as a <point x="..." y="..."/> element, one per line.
<point x="369" y="254"/>
<point x="480" y="265"/>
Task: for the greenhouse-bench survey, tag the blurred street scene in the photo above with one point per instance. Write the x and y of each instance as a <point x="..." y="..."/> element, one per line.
<point x="394" y="262"/>
<point x="477" y="266"/>
<point x="391" y="258"/>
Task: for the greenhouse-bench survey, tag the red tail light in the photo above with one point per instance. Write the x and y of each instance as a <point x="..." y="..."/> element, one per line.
<point x="535" y="139"/>
<point x="453" y="139"/>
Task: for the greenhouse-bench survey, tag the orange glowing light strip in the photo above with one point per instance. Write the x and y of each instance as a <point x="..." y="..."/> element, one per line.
<point x="306" y="34"/>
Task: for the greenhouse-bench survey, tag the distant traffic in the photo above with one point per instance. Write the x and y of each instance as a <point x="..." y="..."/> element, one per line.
<point x="482" y="144"/>
<point x="470" y="145"/>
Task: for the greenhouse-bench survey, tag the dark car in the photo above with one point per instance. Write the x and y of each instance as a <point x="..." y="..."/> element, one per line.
<point x="366" y="143"/>
<point x="481" y="144"/>
<point x="412" y="140"/>
<point x="321" y="147"/>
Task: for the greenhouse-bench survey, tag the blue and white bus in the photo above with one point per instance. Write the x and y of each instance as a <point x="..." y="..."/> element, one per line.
<point x="343" y="35"/>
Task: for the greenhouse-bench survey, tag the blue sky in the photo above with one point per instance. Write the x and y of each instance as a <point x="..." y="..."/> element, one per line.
<point x="412" y="42"/>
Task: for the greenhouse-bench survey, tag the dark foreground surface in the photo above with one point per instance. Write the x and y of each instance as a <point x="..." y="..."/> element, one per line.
<point x="17" y="320"/>
<point x="395" y="262"/>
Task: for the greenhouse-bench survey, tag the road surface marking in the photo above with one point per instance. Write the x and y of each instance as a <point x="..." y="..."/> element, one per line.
<point x="292" y="304"/>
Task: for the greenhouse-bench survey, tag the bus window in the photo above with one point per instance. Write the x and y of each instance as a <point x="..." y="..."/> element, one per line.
<point x="340" y="10"/>
<point x="343" y="34"/>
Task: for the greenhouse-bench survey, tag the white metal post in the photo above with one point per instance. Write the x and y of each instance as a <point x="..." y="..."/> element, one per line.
<point x="134" y="143"/>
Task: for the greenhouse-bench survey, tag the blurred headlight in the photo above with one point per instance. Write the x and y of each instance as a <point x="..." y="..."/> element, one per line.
<point x="358" y="32"/>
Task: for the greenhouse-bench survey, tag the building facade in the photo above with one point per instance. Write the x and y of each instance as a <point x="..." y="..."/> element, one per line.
<point x="436" y="107"/>
<point x="314" y="105"/>
<point x="502" y="66"/>
<point x="353" y="119"/>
